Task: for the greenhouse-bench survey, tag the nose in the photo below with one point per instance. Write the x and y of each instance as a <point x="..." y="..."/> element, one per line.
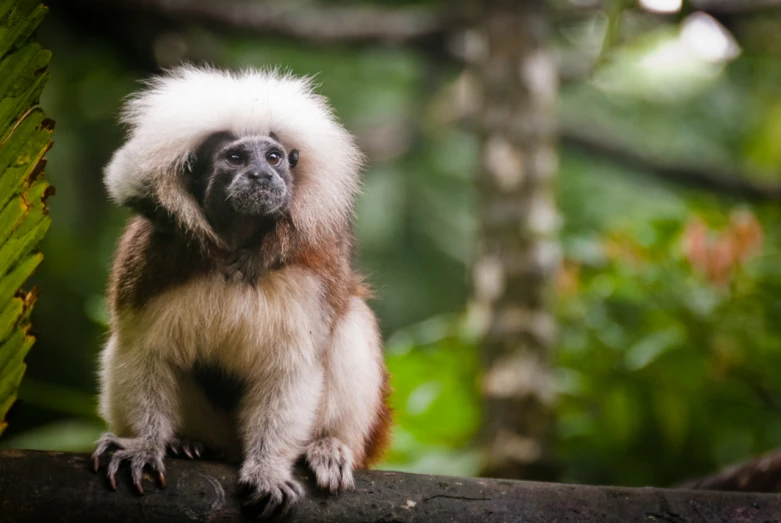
<point x="259" y="175"/>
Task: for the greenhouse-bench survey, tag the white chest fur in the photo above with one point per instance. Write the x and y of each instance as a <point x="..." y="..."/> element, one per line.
<point x="276" y="323"/>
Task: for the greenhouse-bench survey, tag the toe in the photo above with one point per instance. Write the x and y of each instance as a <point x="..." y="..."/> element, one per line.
<point x="137" y="472"/>
<point x="348" y="483"/>
<point x="293" y="489"/>
<point x="106" y="442"/>
<point x="332" y="463"/>
<point x="113" y="468"/>
<point x="275" y="503"/>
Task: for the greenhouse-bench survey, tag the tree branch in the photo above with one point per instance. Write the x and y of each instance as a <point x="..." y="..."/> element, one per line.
<point x="717" y="180"/>
<point x="762" y="474"/>
<point x="328" y="24"/>
<point x="721" y="7"/>
<point x="307" y="21"/>
<point x="50" y="486"/>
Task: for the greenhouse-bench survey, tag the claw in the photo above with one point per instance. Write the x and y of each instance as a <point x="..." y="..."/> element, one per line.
<point x="188" y="452"/>
<point x="274" y="500"/>
<point x="197" y="450"/>
<point x="286" y="508"/>
<point x="137" y="453"/>
<point x="268" y="511"/>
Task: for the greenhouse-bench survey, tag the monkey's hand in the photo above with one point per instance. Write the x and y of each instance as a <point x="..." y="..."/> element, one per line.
<point x="332" y="462"/>
<point x="139" y="452"/>
<point x="273" y="489"/>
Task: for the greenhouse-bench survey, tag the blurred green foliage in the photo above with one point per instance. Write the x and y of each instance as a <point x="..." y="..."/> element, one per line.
<point x="666" y="357"/>
<point x="667" y="301"/>
<point x="25" y="136"/>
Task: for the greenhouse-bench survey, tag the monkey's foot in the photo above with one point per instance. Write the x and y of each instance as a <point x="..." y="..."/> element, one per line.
<point x="189" y="448"/>
<point x="332" y="462"/>
<point x="276" y="491"/>
<point x="139" y="452"/>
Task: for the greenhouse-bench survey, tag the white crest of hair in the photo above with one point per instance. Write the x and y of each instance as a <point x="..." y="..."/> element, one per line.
<point x="178" y="110"/>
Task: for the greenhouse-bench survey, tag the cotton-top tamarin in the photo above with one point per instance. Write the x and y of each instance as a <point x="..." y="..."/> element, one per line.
<point x="236" y="319"/>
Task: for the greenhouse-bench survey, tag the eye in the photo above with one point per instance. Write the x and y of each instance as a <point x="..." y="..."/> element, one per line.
<point x="273" y="157"/>
<point x="236" y="157"/>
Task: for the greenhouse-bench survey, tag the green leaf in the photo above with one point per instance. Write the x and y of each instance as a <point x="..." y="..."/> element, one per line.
<point x="25" y="136"/>
<point x="73" y="435"/>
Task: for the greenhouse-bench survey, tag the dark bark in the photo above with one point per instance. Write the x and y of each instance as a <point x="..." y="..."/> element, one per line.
<point x="320" y="22"/>
<point x="719" y="7"/>
<point x="49" y="486"/>
<point x="515" y="74"/>
<point x="311" y="22"/>
<point x="762" y="474"/>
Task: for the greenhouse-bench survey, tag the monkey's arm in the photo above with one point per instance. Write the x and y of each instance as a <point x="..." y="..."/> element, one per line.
<point x="276" y="416"/>
<point x="139" y="401"/>
<point x="354" y="421"/>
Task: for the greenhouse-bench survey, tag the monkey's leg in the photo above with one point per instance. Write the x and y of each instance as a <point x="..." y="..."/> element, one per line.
<point x="204" y="428"/>
<point x="276" y="416"/>
<point x="139" y="401"/>
<point x="352" y="399"/>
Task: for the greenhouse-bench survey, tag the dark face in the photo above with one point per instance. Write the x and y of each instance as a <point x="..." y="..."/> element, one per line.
<point x="246" y="176"/>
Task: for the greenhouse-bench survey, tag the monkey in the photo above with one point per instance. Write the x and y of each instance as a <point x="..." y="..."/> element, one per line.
<point x="237" y="322"/>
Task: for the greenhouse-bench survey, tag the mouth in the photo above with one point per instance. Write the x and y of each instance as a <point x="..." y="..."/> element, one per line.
<point x="257" y="200"/>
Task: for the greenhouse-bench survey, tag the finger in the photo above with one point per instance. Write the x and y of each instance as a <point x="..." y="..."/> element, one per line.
<point x="113" y="468"/>
<point x="159" y="468"/>
<point x="137" y="471"/>
<point x="256" y="498"/>
<point x="296" y="488"/>
<point x="347" y="478"/>
<point x="290" y="498"/>
<point x="102" y="446"/>
<point x="335" y="477"/>
<point x="106" y="442"/>
<point x="272" y="505"/>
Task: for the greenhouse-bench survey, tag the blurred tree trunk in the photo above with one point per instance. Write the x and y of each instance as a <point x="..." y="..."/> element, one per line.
<point x="516" y="82"/>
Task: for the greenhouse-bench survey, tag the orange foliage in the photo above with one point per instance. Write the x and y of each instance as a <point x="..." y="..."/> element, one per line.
<point x="718" y="253"/>
<point x="568" y="278"/>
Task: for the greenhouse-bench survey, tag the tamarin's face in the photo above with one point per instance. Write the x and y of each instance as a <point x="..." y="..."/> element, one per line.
<point x="248" y="176"/>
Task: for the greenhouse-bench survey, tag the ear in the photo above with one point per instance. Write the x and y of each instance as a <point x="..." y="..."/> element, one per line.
<point x="293" y="158"/>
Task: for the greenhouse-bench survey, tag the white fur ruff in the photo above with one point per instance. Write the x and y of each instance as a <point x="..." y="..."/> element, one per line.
<point x="177" y="111"/>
